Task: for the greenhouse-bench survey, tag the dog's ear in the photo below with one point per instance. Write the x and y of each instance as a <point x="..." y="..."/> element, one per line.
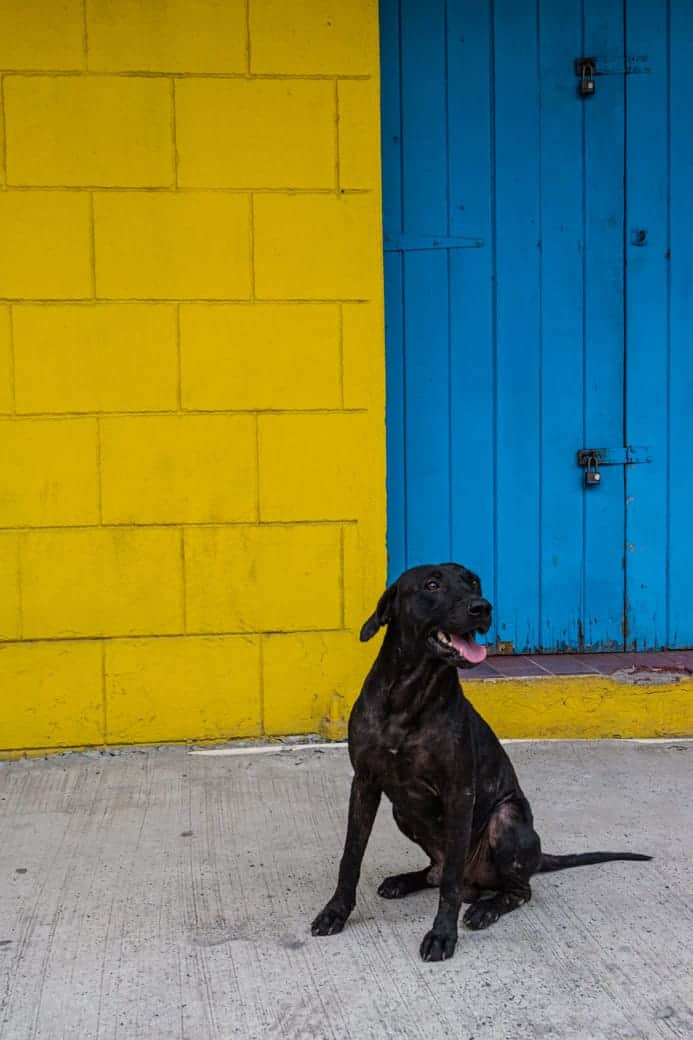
<point x="382" y="615"/>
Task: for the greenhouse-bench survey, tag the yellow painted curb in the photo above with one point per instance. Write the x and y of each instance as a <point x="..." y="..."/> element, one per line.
<point x="567" y="707"/>
<point x="585" y="706"/>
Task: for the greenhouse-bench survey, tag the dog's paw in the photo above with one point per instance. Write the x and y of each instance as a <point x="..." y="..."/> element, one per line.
<point x="329" y="921"/>
<point x="481" y="914"/>
<point x="438" y="946"/>
<point x="395" y="887"/>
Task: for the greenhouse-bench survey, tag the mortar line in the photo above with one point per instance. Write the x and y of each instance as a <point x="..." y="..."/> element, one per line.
<point x="194" y="634"/>
<point x="184" y="584"/>
<point x="85" y="35"/>
<point x="104" y="695"/>
<point x="13" y="361"/>
<point x="340" y="349"/>
<point x="177" y="74"/>
<point x="124" y="301"/>
<point x="248" y="38"/>
<point x="261" y="681"/>
<point x="92" y="243"/>
<point x="174" y="130"/>
<point x="211" y="189"/>
<point x="337" y="168"/>
<point x="258" y="506"/>
<point x="99" y="469"/>
<point x="165" y="525"/>
<point x="90" y="301"/>
<point x="58" y="416"/>
<point x="179" y="362"/>
<point x="251" y="232"/>
<point x="3" y="135"/>
<point x="342" y="576"/>
<point x="20" y="596"/>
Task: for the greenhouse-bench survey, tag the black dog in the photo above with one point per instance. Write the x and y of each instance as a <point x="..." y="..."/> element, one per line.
<point x="453" y="789"/>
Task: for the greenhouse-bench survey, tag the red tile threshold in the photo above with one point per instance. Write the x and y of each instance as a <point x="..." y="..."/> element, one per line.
<point x="529" y="666"/>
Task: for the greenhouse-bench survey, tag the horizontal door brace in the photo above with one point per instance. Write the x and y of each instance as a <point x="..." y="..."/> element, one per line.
<point x="633" y="65"/>
<point x="416" y="243"/>
<point x="630" y="455"/>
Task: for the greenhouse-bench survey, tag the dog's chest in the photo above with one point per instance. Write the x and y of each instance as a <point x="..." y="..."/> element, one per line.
<point x="406" y="764"/>
<point x="413" y="786"/>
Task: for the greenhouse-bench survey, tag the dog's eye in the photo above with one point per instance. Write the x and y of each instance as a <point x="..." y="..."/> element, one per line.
<point x="432" y="585"/>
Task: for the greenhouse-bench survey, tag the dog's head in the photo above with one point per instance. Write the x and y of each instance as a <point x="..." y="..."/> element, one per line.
<point x="437" y="610"/>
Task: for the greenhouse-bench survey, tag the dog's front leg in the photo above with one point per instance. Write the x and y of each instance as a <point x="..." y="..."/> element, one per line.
<point x="363" y="806"/>
<point x="439" y="944"/>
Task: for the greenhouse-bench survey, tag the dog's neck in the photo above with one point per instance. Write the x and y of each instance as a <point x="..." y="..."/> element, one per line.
<point x="409" y="678"/>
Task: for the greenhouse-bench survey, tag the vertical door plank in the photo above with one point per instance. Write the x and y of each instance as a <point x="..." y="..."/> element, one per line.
<point x="562" y="258"/>
<point x="472" y="346"/>
<point x="517" y="207"/>
<point x="603" y="619"/>
<point x="680" y="558"/>
<point x="426" y="406"/>
<point x="425" y="212"/>
<point x="647" y="187"/>
<point x="424" y="124"/>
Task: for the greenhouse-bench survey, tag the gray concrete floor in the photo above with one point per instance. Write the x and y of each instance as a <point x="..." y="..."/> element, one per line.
<point x="161" y="894"/>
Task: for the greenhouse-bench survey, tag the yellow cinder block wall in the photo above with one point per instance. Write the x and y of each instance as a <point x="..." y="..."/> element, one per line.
<point x="192" y="433"/>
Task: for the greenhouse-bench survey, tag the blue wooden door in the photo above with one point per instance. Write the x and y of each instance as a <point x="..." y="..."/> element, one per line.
<point x="538" y="271"/>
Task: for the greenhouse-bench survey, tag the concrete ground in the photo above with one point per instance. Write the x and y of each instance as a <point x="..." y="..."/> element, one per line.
<point x="163" y="894"/>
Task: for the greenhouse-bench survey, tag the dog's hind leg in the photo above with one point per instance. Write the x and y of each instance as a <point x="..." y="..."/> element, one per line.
<point x="515" y="853"/>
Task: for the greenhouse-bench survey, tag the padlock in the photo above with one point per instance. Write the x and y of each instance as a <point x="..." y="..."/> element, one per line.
<point x="592" y="475"/>
<point x="585" y="70"/>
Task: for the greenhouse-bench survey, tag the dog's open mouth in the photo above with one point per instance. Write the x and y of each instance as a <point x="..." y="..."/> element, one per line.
<point x="459" y="648"/>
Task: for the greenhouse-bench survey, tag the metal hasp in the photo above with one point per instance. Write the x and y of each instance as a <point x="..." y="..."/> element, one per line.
<point x="590" y="459"/>
<point x="584" y="70"/>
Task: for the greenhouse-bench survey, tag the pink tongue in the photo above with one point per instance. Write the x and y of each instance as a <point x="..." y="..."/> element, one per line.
<point x="468" y="647"/>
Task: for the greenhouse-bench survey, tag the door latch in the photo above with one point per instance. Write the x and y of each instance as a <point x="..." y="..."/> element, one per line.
<point x="590" y="459"/>
<point x="584" y="70"/>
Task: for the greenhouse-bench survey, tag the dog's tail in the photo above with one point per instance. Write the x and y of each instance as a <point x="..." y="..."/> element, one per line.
<point x="584" y="859"/>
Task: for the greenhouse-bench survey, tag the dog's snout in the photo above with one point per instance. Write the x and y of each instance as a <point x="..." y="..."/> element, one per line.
<point x="479" y="608"/>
